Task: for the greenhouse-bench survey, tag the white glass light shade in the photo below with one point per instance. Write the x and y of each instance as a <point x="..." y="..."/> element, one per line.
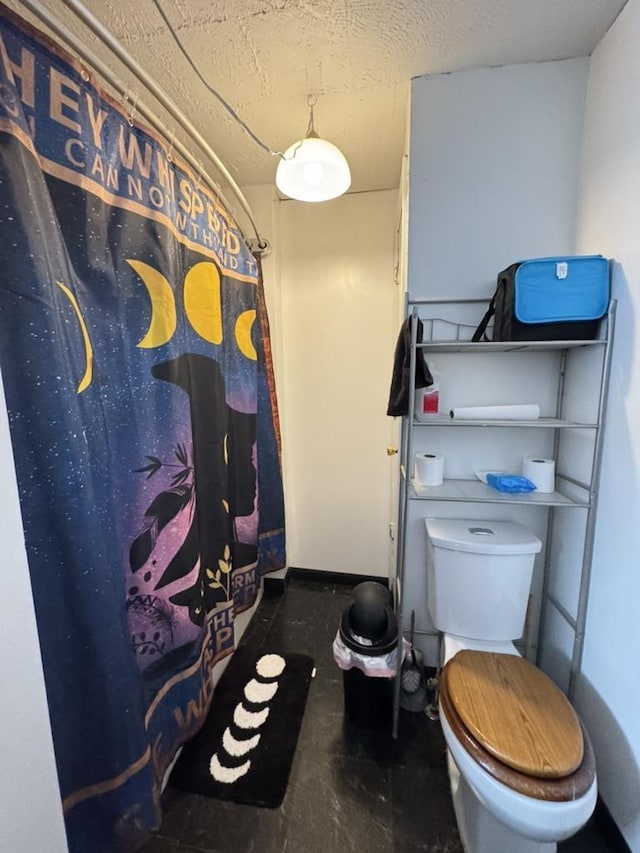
<point x="313" y="170"/>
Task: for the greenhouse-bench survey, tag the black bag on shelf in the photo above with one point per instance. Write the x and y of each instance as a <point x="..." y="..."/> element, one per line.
<point x="400" y="391"/>
<point x="549" y="299"/>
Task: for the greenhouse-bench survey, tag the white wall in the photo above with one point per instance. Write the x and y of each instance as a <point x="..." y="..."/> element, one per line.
<point x="338" y="329"/>
<point x="494" y="172"/>
<point x="609" y="222"/>
<point x="333" y="302"/>
<point x="31" y="811"/>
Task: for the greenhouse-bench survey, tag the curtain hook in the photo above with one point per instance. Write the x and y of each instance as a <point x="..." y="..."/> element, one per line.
<point x="170" y="151"/>
<point x="132" y="112"/>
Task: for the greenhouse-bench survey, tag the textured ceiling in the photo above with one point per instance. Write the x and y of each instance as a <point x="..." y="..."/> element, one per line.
<point x="357" y="56"/>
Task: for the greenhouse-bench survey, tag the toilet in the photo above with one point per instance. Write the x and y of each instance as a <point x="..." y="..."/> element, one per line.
<point x="521" y="767"/>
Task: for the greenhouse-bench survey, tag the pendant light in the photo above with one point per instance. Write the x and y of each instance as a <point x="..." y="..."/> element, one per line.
<point x="313" y="169"/>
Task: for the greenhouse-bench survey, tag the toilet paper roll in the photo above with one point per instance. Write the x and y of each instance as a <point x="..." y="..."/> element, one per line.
<point x="523" y="412"/>
<point x="541" y="472"/>
<point x="429" y="469"/>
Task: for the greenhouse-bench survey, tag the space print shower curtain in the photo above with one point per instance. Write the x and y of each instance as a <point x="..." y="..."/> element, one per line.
<point x="134" y="353"/>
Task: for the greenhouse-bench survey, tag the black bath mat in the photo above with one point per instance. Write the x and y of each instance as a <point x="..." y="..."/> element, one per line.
<point x="245" y="749"/>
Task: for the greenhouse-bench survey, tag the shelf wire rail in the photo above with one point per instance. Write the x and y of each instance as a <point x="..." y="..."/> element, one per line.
<point x="577" y="623"/>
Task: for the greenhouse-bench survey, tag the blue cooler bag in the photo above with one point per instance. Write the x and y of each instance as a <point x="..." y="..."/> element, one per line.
<point x="549" y="299"/>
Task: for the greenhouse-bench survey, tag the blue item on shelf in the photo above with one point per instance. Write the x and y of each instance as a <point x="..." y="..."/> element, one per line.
<point x="512" y="483"/>
<point x="549" y="299"/>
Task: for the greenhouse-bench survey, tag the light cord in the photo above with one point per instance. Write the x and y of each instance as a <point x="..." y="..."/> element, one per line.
<point x="216" y="94"/>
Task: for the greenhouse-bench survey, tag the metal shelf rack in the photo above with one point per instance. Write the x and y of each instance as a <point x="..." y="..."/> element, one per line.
<point x="449" y="336"/>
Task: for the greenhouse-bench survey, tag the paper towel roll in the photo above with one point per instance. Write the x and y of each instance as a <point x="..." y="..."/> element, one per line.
<point x="524" y="412"/>
<point x="542" y="472"/>
<point x="429" y="469"/>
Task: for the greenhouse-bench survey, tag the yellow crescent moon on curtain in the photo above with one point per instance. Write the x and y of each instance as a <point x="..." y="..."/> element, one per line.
<point x="202" y="302"/>
<point x="244" y="324"/>
<point x="163" y="306"/>
<point x="88" y="349"/>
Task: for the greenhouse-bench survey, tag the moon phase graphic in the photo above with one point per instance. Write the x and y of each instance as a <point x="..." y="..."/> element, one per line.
<point x="268" y="667"/>
<point x="163" y="306"/>
<point x="244" y="324"/>
<point x="227" y="774"/>
<point x="236" y="747"/>
<point x="202" y="305"/>
<point x="257" y="692"/>
<point x="202" y="302"/>
<point x="245" y="719"/>
<point x="88" y="349"/>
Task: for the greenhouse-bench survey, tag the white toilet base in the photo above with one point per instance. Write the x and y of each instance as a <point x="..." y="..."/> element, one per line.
<point x="486" y="809"/>
<point x="480" y="831"/>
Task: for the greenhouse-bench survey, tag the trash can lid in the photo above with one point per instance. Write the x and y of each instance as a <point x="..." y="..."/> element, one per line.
<point x="368" y="620"/>
<point x="383" y="641"/>
<point x="371" y="592"/>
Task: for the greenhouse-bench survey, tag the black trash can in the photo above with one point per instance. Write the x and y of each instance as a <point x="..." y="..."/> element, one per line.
<point x="369" y="628"/>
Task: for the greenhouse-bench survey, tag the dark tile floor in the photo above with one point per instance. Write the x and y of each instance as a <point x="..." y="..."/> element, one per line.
<point x="352" y="789"/>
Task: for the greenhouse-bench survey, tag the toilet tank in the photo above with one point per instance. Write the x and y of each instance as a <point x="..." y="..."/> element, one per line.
<point x="479" y="576"/>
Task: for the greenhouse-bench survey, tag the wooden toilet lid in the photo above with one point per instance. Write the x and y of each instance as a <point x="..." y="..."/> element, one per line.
<point x="515" y="712"/>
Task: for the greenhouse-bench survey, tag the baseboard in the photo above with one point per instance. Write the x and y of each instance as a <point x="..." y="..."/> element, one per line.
<point x="334" y="577"/>
<point x="609" y="830"/>
<point x="275" y="583"/>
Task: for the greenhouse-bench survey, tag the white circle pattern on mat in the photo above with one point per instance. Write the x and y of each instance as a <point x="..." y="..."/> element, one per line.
<point x="227" y="774"/>
<point x="267" y="667"/>
<point x="257" y="692"/>
<point x="270" y="666"/>
<point x="238" y="748"/>
<point x="249" y="719"/>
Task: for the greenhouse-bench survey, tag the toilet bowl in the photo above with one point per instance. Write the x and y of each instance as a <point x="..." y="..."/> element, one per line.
<point x="520" y="749"/>
<point x="521" y="766"/>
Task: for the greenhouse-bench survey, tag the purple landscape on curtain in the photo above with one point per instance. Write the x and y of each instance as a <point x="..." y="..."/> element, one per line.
<point x="136" y="362"/>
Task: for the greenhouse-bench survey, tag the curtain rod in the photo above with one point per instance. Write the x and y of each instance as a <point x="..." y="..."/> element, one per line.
<point x="114" y="45"/>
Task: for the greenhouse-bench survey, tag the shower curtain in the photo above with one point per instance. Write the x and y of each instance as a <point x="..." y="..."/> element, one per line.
<point x="135" y="355"/>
